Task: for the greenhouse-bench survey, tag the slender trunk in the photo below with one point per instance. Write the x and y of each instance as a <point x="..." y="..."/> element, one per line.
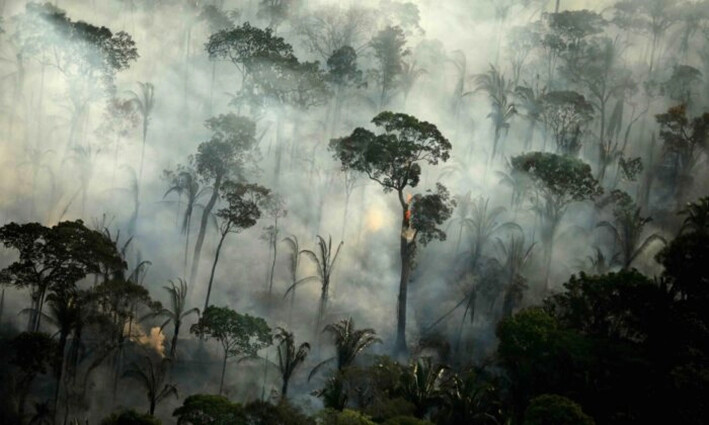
<point x="59" y="367"/>
<point x="558" y="3"/>
<point x="152" y="406"/>
<point x="284" y="388"/>
<point x="221" y="382"/>
<point x="214" y="266"/>
<point x="203" y="228"/>
<point x="173" y="347"/>
<point x="405" y="248"/>
<point x="274" y="248"/>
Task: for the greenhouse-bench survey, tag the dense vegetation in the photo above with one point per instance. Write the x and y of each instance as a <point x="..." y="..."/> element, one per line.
<point x="377" y="226"/>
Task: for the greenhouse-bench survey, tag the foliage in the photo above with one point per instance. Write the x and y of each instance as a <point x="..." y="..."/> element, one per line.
<point x="204" y="409"/>
<point x="130" y="417"/>
<point x="549" y="409"/>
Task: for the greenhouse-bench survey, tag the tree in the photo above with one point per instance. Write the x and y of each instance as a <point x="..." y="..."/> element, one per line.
<point x="471" y="399"/>
<point x="349" y="343"/>
<point x="290" y="357"/>
<point x="652" y="17"/>
<point x="342" y="72"/>
<point x="538" y="355"/>
<point x="130" y="417"/>
<point x="184" y="180"/>
<point x="33" y="353"/>
<point x="628" y="231"/>
<point x="393" y="159"/>
<point x="566" y="113"/>
<point x="206" y="409"/>
<point x="145" y="103"/>
<point x="498" y="88"/>
<point x="697" y="219"/>
<point x="389" y="51"/>
<point x="293" y="263"/>
<point x="225" y="154"/>
<point x="243" y="208"/>
<point x="55" y="258"/>
<point x="246" y="46"/>
<point x="324" y="260"/>
<point x="684" y="141"/>
<point x="238" y="334"/>
<point x="550" y="409"/>
<point x="151" y="377"/>
<point x="558" y="181"/>
<point x="422" y="384"/>
<point x="177" y="312"/>
<point x="275" y="209"/>
<point x="598" y="70"/>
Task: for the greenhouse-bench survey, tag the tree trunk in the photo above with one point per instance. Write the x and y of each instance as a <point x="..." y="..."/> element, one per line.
<point x="284" y="388"/>
<point x="152" y="406"/>
<point x="274" y="248"/>
<point x="558" y="3"/>
<point x="173" y="347"/>
<point x="221" y="382"/>
<point x="214" y="266"/>
<point x="203" y="228"/>
<point x="405" y="247"/>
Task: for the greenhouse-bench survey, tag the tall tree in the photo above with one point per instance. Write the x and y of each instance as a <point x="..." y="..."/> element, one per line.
<point x="152" y="377"/>
<point x="275" y="210"/>
<point x="498" y="89"/>
<point x="290" y="357"/>
<point x="324" y="259"/>
<point x="349" y="341"/>
<point x="393" y="159"/>
<point x="566" y="113"/>
<point x="145" y="101"/>
<point x="627" y="230"/>
<point x="176" y="313"/>
<point x="558" y="181"/>
<point x="55" y="258"/>
<point x="389" y="50"/>
<point x="244" y="203"/>
<point x="238" y="334"/>
<point x="224" y="156"/>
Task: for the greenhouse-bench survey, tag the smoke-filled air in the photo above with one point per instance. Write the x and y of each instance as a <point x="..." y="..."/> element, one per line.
<point x="322" y="212"/>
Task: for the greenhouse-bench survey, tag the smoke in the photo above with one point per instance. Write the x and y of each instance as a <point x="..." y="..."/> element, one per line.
<point x="59" y="164"/>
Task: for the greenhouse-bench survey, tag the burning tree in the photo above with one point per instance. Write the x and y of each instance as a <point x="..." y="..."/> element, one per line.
<point x="393" y="159"/>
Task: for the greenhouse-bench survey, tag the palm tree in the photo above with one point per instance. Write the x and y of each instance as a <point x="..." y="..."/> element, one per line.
<point x="483" y="224"/>
<point x="697" y="219"/>
<point x="469" y="399"/>
<point x="627" y="231"/>
<point x="294" y="253"/>
<point x="497" y="88"/>
<point x="349" y="343"/>
<point x="290" y="357"/>
<point x="152" y="377"/>
<point x="177" y="311"/>
<point x="185" y="182"/>
<point x="145" y="101"/>
<point x="515" y="256"/>
<point x="531" y="101"/>
<point x="410" y="72"/>
<point x="461" y="216"/>
<point x="324" y="261"/>
<point x="422" y="385"/>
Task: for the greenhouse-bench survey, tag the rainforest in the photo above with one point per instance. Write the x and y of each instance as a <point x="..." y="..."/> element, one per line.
<point x="322" y="212"/>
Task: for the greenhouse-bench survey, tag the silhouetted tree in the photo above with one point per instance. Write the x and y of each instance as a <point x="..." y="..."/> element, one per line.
<point x="238" y="334"/>
<point x="225" y="155"/>
<point x="244" y="203"/>
<point x="176" y="313"/>
<point x="393" y="159"/>
<point x="290" y="357"/>
<point x="151" y="377"/>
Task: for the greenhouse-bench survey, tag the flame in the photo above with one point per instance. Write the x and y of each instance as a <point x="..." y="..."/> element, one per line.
<point x="407" y="215"/>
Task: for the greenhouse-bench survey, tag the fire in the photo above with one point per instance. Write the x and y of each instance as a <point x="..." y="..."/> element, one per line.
<point x="407" y="215"/>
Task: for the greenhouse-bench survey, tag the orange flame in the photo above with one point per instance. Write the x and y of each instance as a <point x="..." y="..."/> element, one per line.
<point x="407" y="215"/>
